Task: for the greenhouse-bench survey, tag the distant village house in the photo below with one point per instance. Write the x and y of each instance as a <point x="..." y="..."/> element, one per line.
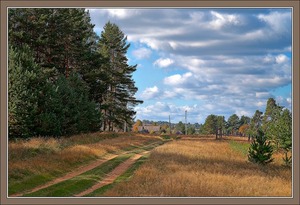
<point x="149" y="128"/>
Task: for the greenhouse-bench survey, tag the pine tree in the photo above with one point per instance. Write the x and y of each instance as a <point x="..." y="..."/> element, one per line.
<point x="233" y="124"/>
<point x="255" y="124"/>
<point x="60" y="38"/>
<point x="267" y="117"/>
<point x="118" y="100"/>
<point x="210" y="124"/>
<point x="220" y="126"/>
<point x="24" y="86"/>
<point x="260" y="150"/>
<point x="67" y="109"/>
<point x="280" y="128"/>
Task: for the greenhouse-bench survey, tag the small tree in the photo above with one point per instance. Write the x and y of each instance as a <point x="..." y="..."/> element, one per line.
<point x="260" y="150"/>
<point x="281" y="130"/>
<point x="136" y="125"/>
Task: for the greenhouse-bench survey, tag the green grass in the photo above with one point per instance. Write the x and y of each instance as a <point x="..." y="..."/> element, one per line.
<point x="124" y="177"/>
<point x="29" y="183"/>
<point x="147" y="147"/>
<point x="165" y="137"/>
<point x="32" y="180"/>
<point x="242" y="148"/>
<point x="81" y="182"/>
<point x="151" y="146"/>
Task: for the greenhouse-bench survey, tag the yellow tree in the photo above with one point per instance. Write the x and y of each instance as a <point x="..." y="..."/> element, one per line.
<point x="136" y="125"/>
<point x="243" y="129"/>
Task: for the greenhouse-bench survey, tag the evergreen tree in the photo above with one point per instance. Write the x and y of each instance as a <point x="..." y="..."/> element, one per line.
<point x="280" y="128"/>
<point x="233" y="124"/>
<point x="24" y="88"/>
<point x="118" y="100"/>
<point x="221" y="123"/>
<point x="269" y="114"/>
<point x="67" y="109"/>
<point x="244" y="120"/>
<point x="210" y="124"/>
<point x="260" y="150"/>
<point x="255" y="124"/>
<point x="60" y="38"/>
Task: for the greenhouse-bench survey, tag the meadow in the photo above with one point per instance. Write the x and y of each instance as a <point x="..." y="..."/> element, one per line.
<point x="174" y="167"/>
<point x="206" y="168"/>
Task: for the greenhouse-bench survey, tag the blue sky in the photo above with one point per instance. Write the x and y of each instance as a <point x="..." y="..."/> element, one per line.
<point x="205" y="61"/>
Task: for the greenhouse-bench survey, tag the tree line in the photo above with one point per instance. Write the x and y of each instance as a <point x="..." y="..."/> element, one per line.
<point x="269" y="131"/>
<point x="63" y="78"/>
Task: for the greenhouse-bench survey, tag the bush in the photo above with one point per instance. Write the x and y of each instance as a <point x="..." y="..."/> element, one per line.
<point x="260" y="150"/>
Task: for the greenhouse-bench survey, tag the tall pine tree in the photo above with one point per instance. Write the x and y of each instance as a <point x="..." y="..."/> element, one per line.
<point x="118" y="100"/>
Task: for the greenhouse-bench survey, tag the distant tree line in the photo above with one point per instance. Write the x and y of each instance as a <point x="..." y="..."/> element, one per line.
<point x="63" y="79"/>
<point x="269" y="131"/>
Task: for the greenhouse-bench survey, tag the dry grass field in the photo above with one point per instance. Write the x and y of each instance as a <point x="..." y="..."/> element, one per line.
<point x="38" y="160"/>
<point x="205" y="168"/>
<point x="192" y="166"/>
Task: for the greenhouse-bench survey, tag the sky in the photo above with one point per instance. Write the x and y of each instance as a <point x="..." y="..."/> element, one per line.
<point x="205" y="61"/>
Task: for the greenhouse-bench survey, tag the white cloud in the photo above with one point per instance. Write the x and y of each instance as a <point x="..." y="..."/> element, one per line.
<point x="142" y="53"/>
<point x="260" y="103"/>
<point x="234" y="61"/>
<point x="197" y="16"/>
<point x="172" y="80"/>
<point x="178" y="79"/>
<point x="121" y="13"/>
<point x="268" y="59"/>
<point x="151" y="42"/>
<point x="243" y="112"/>
<point x="220" y="20"/>
<point x="262" y="95"/>
<point x="162" y="63"/>
<point x="281" y="59"/>
<point x="278" y="21"/>
<point x="150" y="93"/>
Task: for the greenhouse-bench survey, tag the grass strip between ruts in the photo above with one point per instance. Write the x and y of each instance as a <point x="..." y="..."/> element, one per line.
<point x="123" y="177"/>
<point x="81" y="182"/>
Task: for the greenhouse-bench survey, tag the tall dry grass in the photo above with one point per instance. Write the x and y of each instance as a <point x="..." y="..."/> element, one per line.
<point x="204" y="168"/>
<point x="50" y="156"/>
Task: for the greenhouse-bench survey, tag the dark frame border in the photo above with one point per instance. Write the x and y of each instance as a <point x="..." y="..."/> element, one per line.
<point x="154" y="3"/>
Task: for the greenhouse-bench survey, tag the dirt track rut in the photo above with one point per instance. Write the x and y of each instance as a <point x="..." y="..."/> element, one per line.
<point x="112" y="176"/>
<point x="70" y="175"/>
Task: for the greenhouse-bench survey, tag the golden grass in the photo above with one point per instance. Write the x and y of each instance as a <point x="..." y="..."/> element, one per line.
<point x="204" y="168"/>
<point x="50" y="155"/>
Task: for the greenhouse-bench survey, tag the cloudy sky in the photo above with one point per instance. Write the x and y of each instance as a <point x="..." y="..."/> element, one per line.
<point x="205" y="61"/>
